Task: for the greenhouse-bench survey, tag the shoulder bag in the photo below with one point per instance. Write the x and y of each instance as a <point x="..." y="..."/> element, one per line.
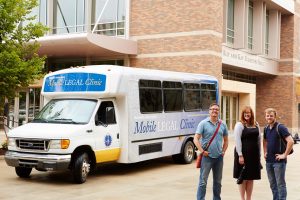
<point x="199" y="157"/>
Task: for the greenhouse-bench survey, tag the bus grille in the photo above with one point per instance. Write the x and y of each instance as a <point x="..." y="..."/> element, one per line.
<point x="33" y="144"/>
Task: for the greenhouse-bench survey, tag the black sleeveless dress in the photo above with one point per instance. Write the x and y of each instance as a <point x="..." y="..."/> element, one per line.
<point x="251" y="153"/>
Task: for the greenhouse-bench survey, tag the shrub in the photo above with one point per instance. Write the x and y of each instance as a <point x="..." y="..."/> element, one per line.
<point x="4" y="145"/>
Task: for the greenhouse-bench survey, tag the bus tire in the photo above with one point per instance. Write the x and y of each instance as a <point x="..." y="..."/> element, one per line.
<point x="187" y="154"/>
<point x="177" y="158"/>
<point x="81" y="168"/>
<point x="23" y="172"/>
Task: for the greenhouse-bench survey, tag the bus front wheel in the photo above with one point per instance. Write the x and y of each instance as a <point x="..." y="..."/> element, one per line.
<point x="81" y="168"/>
<point x="23" y="172"/>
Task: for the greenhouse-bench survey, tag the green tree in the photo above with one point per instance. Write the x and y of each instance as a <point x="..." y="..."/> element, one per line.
<point x="20" y="64"/>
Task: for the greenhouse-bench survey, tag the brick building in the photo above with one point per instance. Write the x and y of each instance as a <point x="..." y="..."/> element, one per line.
<point x="251" y="46"/>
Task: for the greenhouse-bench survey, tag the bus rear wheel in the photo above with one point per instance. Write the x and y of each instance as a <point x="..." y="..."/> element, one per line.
<point x="187" y="155"/>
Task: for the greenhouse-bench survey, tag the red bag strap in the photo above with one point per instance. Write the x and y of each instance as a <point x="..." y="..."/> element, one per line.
<point x="216" y="131"/>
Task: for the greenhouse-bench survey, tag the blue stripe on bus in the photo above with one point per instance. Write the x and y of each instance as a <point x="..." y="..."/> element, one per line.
<point x="75" y="82"/>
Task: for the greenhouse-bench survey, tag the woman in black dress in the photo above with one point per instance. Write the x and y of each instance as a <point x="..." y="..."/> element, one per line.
<point x="247" y="152"/>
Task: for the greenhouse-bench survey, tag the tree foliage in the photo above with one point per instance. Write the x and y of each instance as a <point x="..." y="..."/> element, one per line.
<point x="20" y="64"/>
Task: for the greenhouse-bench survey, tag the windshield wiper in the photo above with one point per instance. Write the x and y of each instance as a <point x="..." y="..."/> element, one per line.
<point x="40" y="120"/>
<point x="67" y="120"/>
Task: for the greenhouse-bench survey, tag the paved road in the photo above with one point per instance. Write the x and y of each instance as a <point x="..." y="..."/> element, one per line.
<point x="156" y="179"/>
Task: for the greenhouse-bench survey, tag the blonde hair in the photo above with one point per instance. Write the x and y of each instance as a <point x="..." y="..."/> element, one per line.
<point x="271" y="110"/>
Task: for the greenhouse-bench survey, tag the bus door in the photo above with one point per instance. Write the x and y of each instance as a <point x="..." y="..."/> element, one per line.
<point x="107" y="133"/>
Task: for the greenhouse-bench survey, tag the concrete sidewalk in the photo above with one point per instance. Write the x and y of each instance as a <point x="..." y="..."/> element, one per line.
<point x="154" y="179"/>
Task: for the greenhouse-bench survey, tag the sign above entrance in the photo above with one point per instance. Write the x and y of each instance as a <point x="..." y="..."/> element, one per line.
<point x="75" y="82"/>
<point x="246" y="60"/>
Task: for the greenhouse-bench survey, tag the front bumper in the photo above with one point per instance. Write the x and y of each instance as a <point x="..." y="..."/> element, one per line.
<point x="46" y="162"/>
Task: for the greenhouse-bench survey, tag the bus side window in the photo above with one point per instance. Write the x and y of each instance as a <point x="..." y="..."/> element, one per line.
<point x="105" y="114"/>
<point x="208" y="95"/>
<point x="150" y="95"/>
<point x="191" y="96"/>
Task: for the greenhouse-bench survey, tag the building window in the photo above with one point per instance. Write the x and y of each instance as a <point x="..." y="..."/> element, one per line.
<point x="107" y="62"/>
<point x="68" y="16"/>
<point x="58" y="64"/>
<point x="267" y="33"/>
<point x="40" y="12"/>
<point x="230" y="22"/>
<point x="230" y="75"/>
<point x="250" y="25"/>
<point x="109" y="17"/>
<point x="42" y="15"/>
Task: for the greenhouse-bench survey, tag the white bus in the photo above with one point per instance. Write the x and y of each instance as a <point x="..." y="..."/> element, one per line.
<point x="97" y="114"/>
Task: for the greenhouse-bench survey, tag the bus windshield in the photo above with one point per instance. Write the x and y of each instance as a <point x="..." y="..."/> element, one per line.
<point x="66" y="111"/>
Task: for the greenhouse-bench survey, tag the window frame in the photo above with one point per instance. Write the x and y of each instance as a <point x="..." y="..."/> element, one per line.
<point x="172" y="89"/>
<point x="150" y="88"/>
<point x="185" y="98"/>
<point x="230" y="18"/>
<point x="210" y="91"/>
<point x="267" y="32"/>
<point x="250" y="25"/>
<point x="79" y="12"/>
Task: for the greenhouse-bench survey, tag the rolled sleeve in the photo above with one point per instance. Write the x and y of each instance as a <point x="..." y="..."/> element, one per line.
<point x="199" y="129"/>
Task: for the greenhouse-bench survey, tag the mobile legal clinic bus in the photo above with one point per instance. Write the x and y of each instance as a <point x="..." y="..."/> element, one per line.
<point x="98" y="114"/>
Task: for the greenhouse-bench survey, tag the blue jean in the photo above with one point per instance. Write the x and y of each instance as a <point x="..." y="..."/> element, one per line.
<point x="276" y="176"/>
<point x="208" y="164"/>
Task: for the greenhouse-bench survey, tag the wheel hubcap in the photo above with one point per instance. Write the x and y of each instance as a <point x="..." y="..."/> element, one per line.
<point x="85" y="168"/>
<point x="190" y="152"/>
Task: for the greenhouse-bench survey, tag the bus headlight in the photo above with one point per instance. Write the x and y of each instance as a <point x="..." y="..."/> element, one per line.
<point x="11" y="143"/>
<point x="59" y="144"/>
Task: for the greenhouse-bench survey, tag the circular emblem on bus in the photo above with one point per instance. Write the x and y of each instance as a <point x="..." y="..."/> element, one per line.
<point x="107" y="140"/>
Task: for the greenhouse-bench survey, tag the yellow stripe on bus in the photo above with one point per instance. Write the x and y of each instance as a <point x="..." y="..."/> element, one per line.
<point x="107" y="155"/>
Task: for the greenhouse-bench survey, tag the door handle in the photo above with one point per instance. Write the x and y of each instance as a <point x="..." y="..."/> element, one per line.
<point x="117" y="135"/>
<point x="89" y="131"/>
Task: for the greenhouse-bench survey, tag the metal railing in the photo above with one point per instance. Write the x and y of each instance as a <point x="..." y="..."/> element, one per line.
<point x="116" y="28"/>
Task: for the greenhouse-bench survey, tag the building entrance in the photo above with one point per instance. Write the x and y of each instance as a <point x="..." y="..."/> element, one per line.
<point x="24" y="106"/>
<point x="229" y="110"/>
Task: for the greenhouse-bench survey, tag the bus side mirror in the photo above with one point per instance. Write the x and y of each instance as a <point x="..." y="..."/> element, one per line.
<point x="110" y="115"/>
